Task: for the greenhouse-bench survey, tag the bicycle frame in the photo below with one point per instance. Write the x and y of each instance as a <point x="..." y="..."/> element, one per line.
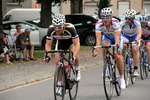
<point x="110" y="65"/>
<point x="67" y="77"/>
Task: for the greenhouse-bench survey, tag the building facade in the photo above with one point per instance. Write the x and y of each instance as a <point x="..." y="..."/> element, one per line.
<point x="89" y="6"/>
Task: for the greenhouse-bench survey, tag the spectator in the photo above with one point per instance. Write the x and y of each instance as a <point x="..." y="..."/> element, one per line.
<point x="18" y="28"/>
<point x="23" y="42"/>
<point x="3" y="47"/>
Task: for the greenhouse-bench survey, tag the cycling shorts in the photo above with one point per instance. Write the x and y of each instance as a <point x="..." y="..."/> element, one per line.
<point x="127" y="38"/>
<point x="146" y="38"/>
<point x="112" y="41"/>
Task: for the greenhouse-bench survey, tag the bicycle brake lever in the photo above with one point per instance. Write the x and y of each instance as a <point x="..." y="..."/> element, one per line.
<point x="93" y="50"/>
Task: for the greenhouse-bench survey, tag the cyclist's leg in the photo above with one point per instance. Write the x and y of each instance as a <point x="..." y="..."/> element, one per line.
<point x="125" y="39"/>
<point x="77" y="68"/>
<point x="148" y="50"/>
<point x="120" y="64"/>
<point x="72" y="47"/>
<point x="118" y="58"/>
<point x="105" y="41"/>
<point x="135" y="56"/>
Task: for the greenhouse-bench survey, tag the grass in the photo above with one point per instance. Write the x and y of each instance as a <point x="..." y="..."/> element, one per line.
<point x="40" y="53"/>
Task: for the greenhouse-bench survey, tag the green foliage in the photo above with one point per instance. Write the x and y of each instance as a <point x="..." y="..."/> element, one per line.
<point x="102" y="4"/>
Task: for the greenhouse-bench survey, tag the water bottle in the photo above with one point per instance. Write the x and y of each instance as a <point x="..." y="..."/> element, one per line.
<point x="67" y="68"/>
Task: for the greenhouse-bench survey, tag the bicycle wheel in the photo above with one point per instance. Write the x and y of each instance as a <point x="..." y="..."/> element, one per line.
<point x="108" y="80"/>
<point x="142" y="65"/>
<point x="126" y="70"/>
<point x="116" y="82"/>
<point x="130" y="63"/>
<point x="59" y="75"/>
<point x="146" y="65"/>
<point x="73" y="84"/>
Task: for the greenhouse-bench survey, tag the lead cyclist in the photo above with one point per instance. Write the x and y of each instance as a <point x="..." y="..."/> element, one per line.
<point x="111" y="35"/>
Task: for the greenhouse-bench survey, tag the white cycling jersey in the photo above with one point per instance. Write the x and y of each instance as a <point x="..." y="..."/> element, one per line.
<point x="146" y="30"/>
<point x="115" y="26"/>
<point x="130" y="30"/>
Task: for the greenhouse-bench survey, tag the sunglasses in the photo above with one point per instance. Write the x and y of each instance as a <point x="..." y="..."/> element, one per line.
<point x="18" y="28"/>
<point x="107" y="17"/>
<point x="129" y="19"/>
<point x="59" y="27"/>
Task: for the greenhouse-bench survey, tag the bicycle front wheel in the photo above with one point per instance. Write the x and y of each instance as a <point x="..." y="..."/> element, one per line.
<point x="142" y="65"/>
<point x="73" y="84"/>
<point x="130" y="63"/>
<point x="59" y="89"/>
<point x="146" y="65"/>
<point x="126" y="70"/>
<point x="108" y="80"/>
<point x="116" y="79"/>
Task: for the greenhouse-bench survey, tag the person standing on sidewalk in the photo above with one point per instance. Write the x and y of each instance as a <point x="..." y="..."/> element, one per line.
<point x="66" y="36"/>
<point x="111" y="35"/>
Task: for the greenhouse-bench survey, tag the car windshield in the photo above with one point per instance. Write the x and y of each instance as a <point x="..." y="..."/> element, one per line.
<point x="36" y="24"/>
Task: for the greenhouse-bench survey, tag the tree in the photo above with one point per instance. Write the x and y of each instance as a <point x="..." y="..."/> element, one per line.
<point x="1" y="15"/>
<point x="46" y="10"/>
<point x="76" y="6"/>
<point x="102" y="4"/>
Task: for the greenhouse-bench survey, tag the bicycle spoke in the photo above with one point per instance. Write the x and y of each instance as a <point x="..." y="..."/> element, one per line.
<point x="108" y="81"/>
<point x="59" y="87"/>
<point x="73" y="84"/>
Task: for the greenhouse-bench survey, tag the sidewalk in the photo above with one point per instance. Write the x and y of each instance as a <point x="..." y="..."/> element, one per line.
<point x="28" y="72"/>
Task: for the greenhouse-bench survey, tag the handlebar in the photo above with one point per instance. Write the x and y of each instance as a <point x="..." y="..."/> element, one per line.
<point x="60" y="51"/>
<point x="106" y="46"/>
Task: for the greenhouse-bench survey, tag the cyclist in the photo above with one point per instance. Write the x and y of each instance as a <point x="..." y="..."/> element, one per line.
<point x="111" y="30"/>
<point x="145" y="25"/>
<point x="131" y="29"/>
<point x="66" y="36"/>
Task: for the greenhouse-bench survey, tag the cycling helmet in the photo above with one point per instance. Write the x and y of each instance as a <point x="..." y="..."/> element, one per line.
<point x="143" y="18"/>
<point x="130" y="13"/>
<point x="106" y="12"/>
<point x="58" y="19"/>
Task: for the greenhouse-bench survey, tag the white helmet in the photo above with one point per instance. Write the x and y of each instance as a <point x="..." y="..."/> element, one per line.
<point x="130" y="13"/>
<point x="106" y="12"/>
<point x="58" y="19"/>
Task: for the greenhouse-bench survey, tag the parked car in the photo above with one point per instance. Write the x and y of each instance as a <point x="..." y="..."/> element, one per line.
<point x="38" y="32"/>
<point x="85" y="26"/>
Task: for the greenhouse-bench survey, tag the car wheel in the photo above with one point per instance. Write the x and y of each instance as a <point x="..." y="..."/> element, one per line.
<point x="90" y="40"/>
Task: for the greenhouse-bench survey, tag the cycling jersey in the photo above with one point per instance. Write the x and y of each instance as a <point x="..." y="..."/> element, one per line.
<point x="100" y="27"/>
<point x="109" y="34"/>
<point x="130" y="30"/>
<point x="146" y="31"/>
<point x="64" y="40"/>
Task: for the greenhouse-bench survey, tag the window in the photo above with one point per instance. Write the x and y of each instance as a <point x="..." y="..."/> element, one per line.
<point x="7" y="18"/>
<point x="146" y="7"/>
<point x="89" y="19"/>
<point x="75" y="20"/>
<point x="122" y="7"/>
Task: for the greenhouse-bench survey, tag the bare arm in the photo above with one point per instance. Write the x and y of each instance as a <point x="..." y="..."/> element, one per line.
<point x="98" y="43"/>
<point x="139" y="32"/>
<point x="76" y="42"/>
<point x="117" y="37"/>
<point x="4" y="40"/>
<point x="48" y="46"/>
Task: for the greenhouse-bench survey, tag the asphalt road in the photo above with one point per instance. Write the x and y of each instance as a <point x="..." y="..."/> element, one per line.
<point x="90" y="88"/>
